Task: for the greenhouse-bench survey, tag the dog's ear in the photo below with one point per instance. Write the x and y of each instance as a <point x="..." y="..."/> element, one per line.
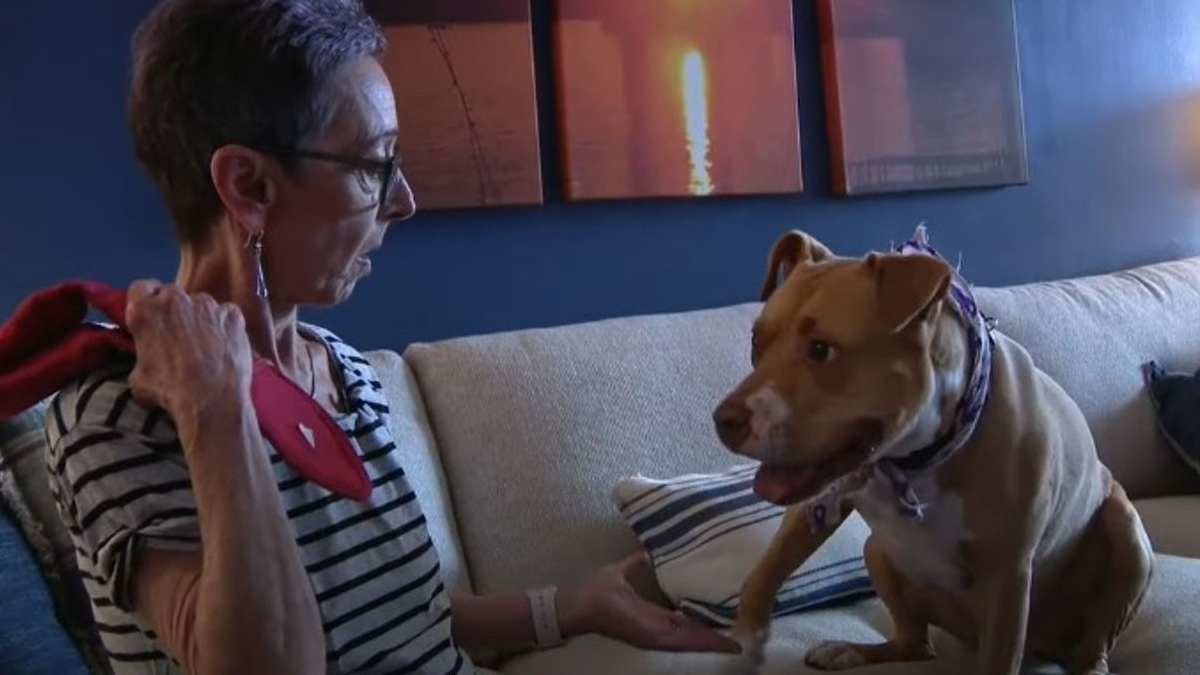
<point x="789" y="252"/>
<point x="907" y="287"/>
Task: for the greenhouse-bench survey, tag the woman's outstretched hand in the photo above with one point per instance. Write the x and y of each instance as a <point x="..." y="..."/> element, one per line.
<point x="607" y="604"/>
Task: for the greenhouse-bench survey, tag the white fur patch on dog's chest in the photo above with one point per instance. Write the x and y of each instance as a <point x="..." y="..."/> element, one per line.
<point x="928" y="551"/>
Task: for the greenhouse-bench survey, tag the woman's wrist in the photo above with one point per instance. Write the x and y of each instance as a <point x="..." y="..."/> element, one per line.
<point x="574" y="615"/>
<point x="231" y="413"/>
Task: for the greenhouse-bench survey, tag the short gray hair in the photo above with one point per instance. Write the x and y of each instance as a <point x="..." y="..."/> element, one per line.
<point x="207" y="73"/>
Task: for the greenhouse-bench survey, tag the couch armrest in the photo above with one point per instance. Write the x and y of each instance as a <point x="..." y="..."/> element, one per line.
<point x="1173" y="523"/>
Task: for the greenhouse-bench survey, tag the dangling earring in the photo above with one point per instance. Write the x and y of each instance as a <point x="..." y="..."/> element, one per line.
<point x="260" y="284"/>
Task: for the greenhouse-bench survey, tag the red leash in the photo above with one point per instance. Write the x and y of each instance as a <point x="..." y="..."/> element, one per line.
<point x="48" y="342"/>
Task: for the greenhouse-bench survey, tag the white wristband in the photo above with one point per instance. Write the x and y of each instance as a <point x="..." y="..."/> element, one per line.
<point x="545" y="617"/>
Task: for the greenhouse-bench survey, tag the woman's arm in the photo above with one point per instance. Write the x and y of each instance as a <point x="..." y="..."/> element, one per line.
<point x="244" y="604"/>
<point x="606" y="604"/>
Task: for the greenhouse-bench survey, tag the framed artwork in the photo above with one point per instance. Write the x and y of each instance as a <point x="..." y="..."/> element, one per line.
<point x="463" y="78"/>
<point x="922" y="94"/>
<point x="670" y="98"/>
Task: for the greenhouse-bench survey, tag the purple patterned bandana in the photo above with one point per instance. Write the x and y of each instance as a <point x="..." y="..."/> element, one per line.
<point x="901" y="471"/>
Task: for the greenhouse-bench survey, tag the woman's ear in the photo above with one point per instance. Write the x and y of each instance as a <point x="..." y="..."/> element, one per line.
<point x="244" y="184"/>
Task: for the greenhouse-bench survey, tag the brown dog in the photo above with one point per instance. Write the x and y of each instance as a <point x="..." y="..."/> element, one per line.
<point x="878" y="386"/>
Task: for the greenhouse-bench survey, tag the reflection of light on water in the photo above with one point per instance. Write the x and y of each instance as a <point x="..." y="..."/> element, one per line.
<point x="695" y="119"/>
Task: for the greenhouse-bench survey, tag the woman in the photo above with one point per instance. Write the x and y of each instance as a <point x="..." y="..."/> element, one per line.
<point x="270" y="129"/>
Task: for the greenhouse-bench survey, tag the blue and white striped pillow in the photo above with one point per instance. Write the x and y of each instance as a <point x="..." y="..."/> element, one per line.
<point x="705" y="532"/>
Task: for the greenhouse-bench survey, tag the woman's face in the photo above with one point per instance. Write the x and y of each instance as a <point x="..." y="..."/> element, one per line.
<point x="327" y="217"/>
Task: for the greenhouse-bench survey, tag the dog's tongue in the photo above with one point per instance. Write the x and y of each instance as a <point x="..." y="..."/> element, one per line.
<point x="786" y="485"/>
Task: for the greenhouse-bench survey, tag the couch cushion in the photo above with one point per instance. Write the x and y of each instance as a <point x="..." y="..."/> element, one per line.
<point x="1172" y="523"/>
<point x="410" y="429"/>
<point x="537" y="427"/>
<point x="1092" y="335"/>
<point x="32" y="642"/>
<point x="1160" y="641"/>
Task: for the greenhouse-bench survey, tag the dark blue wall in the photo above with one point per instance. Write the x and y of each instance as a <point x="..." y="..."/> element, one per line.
<point x="1108" y="86"/>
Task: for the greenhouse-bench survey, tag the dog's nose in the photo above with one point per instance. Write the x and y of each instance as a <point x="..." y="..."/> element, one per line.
<point x="733" y="423"/>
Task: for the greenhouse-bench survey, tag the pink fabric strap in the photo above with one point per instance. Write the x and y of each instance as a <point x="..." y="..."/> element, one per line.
<point x="545" y="617"/>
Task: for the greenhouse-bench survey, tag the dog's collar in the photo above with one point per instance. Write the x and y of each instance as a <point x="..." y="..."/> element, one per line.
<point x="900" y="471"/>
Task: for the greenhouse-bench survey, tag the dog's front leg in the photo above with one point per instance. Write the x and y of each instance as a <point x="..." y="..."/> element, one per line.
<point x="1004" y="607"/>
<point x="793" y="543"/>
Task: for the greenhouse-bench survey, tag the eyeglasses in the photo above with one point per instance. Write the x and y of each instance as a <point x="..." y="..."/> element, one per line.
<point x="386" y="170"/>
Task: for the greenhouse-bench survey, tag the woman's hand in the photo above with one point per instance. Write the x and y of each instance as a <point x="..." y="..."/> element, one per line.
<point x="608" y="604"/>
<point x="191" y="350"/>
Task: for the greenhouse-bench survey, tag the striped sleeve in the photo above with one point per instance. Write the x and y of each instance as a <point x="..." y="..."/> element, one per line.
<point x="119" y="478"/>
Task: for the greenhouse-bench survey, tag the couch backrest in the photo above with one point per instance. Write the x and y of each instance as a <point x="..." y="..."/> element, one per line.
<point x="422" y="466"/>
<point x="1092" y="334"/>
<point x="536" y="427"/>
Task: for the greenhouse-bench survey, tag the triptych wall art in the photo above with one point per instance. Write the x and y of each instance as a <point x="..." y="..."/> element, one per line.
<point x="699" y="98"/>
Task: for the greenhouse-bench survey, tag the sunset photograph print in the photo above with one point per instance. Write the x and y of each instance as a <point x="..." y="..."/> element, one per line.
<point x="676" y="98"/>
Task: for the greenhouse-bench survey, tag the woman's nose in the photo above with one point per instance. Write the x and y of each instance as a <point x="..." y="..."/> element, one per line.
<point x="401" y="203"/>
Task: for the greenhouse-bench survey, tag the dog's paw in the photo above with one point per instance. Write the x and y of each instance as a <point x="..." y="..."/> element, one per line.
<point x="752" y="654"/>
<point x="835" y="656"/>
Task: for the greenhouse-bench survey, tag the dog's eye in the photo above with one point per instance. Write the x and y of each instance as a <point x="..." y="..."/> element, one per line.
<point x="820" y="351"/>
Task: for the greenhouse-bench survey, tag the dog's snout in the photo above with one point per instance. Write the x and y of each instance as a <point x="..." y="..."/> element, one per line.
<point x="733" y="423"/>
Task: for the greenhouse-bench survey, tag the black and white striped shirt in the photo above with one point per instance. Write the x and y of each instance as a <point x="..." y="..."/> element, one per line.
<point x="120" y="481"/>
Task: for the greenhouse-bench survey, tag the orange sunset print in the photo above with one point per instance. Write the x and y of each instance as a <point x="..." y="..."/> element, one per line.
<point x="677" y="98"/>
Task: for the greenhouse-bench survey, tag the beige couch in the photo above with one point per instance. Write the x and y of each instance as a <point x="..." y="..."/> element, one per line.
<point x="515" y="442"/>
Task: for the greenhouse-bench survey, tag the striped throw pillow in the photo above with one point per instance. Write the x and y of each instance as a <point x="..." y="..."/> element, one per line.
<point x="705" y="532"/>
